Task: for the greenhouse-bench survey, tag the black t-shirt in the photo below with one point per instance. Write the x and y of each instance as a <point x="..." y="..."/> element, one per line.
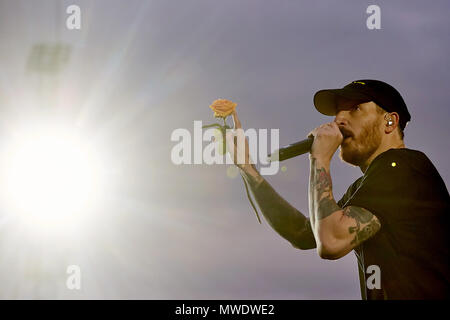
<point x="403" y="189"/>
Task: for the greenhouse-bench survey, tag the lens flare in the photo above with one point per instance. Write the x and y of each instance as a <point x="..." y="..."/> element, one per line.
<point x="52" y="179"/>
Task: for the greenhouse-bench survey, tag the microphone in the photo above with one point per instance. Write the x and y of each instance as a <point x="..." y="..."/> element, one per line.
<point x="292" y="150"/>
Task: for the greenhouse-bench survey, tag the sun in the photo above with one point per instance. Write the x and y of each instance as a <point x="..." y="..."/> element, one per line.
<point x="53" y="178"/>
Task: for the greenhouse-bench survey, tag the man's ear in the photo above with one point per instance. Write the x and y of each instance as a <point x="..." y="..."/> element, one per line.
<point x="392" y="121"/>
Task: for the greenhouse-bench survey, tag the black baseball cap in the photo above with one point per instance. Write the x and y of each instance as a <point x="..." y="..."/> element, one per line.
<point x="384" y="95"/>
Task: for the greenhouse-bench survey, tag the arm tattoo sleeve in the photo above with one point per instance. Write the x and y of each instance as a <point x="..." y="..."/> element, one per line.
<point x="285" y="219"/>
<point x="322" y="205"/>
<point x="321" y="200"/>
<point x="366" y="224"/>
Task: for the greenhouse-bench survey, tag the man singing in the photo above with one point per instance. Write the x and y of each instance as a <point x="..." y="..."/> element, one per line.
<point x="394" y="217"/>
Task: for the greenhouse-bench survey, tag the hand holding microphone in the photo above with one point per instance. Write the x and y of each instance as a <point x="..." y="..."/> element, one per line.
<point x="327" y="139"/>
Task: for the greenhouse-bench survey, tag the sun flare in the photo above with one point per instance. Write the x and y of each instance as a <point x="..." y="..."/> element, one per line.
<point x="52" y="178"/>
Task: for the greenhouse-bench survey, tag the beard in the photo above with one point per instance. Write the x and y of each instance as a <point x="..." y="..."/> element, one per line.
<point x="356" y="150"/>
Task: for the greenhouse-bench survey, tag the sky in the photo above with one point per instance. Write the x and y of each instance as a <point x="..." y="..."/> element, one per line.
<point x="138" y="70"/>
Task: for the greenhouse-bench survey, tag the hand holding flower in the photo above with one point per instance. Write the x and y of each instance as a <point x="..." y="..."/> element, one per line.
<point x="222" y="109"/>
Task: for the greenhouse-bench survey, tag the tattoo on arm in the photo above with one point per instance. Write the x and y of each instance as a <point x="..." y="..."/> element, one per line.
<point x="307" y="230"/>
<point x="322" y="180"/>
<point x="366" y="224"/>
<point x="305" y="239"/>
<point x="322" y="203"/>
<point x="326" y="207"/>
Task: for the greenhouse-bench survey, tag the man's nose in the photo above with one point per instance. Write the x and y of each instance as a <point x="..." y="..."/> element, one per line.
<point x="341" y="117"/>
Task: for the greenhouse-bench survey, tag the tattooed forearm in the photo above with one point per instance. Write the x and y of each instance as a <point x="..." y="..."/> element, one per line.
<point x="336" y="230"/>
<point x="322" y="203"/>
<point x="305" y="238"/>
<point x="366" y="224"/>
<point x="285" y="219"/>
<point x="322" y="180"/>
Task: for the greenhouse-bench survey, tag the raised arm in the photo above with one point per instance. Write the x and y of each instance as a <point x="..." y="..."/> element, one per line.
<point x="286" y="220"/>
<point x="337" y="231"/>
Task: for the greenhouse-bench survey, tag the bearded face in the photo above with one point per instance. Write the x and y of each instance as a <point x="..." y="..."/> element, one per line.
<point x="359" y="144"/>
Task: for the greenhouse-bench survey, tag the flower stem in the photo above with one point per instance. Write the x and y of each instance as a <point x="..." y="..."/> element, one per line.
<point x="211" y="125"/>
<point x="223" y="130"/>
<point x="224" y="140"/>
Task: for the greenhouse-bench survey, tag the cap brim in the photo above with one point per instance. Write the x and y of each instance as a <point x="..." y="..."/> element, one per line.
<point x="326" y="101"/>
